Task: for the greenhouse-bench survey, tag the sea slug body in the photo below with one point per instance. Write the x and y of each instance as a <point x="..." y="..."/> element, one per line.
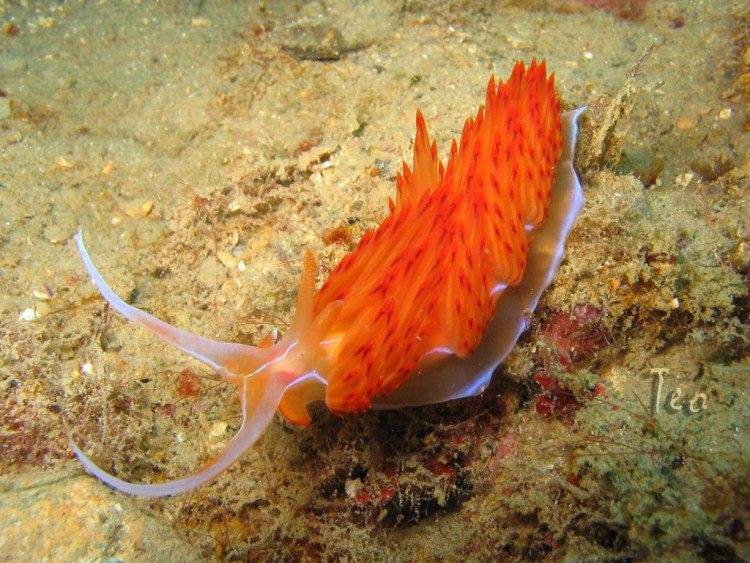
<point x="427" y="305"/>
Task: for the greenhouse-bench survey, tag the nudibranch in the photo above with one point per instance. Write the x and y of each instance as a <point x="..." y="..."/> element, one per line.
<point x="427" y="305"/>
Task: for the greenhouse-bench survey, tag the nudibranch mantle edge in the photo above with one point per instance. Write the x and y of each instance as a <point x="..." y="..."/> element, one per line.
<point x="455" y="377"/>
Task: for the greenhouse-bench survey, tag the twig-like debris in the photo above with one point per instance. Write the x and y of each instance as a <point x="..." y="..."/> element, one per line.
<point x="200" y="203"/>
<point x="602" y="143"/>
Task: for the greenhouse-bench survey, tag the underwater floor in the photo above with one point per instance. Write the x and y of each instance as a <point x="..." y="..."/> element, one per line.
<point x="618" y="428"/>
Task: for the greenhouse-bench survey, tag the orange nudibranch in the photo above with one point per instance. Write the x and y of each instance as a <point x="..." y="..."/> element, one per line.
<point x="428" y="278"/>
<point x="427" y="305"/>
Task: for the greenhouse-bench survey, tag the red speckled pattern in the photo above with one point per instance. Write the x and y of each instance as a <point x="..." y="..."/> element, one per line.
<point x="428" y="277"/>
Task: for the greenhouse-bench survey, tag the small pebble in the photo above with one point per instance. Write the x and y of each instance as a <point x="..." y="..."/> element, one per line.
<point x="683" y="180"/>
<point x="62" y="163"/>
<point x="28" y="315"/>
<point x="218" y="430"/>
<point x="227" y="259"/>
<point x="141" y="211"/>
<point x="684" y="123"/>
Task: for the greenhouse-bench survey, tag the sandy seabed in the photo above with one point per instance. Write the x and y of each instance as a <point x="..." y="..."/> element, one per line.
<point x="617" y="429"/>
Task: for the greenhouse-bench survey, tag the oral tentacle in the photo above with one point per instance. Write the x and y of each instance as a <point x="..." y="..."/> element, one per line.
<point x="259" y="397"/>
<point x="225" y="358"/>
